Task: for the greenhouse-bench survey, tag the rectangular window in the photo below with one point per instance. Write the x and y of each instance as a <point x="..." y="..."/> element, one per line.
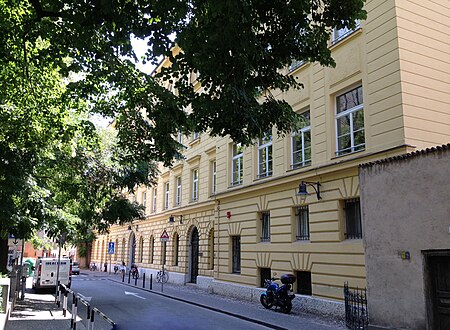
<point x="178" y="191"/>
<point x="265" y="227"/>
<point x="155" y="194"/>
<point x="302" y="216"/>
<point x="166" y="195"/>
<point x="195" y="136"/>
<point x="195" y="185"/>
<point x="265" y="156"/>
<point x="237" y="164"/>
<point x="296" y="64"/>
<point x="213" y="177"/>
<point x="304" y="285"/>
<point x="350" y="122"/>
<point x="176" y="248"/>
<point x="301" y="143"/>
<point x="144" y="201"/>
<point x="180" y="137"/>
<point x="236" y="251"/>
<point x="339" y="34"/>
<point x="353" y="219"/>
<point x="264" y="274"/>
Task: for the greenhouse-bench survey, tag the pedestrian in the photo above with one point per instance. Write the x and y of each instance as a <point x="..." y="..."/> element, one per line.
<point x="106" y="267"/>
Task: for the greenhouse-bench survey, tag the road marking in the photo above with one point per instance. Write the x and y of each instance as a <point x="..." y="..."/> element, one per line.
<point x="84" y="297"/>
<point x="134" y="294"/>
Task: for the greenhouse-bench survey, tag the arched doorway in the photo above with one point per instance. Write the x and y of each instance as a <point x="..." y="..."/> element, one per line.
<point x="194" y="255"/>
<point x="132" y="248"/>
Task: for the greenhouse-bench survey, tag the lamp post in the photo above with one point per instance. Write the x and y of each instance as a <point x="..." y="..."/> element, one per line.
<point x="302" y="190"/>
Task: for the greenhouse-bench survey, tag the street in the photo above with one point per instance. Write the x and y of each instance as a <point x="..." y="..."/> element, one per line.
<point x="131" y="308"/>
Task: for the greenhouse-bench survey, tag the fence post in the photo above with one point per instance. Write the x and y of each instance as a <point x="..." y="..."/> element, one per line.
<point x="143" y="281"/>
<point x="88" y="317"/>
<point x="74" y="313"/>
<point x="92" y="320"/>
<point x="73" y="308"/>
<point x="65" y="303"/>
<point x="151" y="281"/>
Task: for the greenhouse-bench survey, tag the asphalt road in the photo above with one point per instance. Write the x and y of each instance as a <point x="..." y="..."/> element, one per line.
<point x="134" y="309"/>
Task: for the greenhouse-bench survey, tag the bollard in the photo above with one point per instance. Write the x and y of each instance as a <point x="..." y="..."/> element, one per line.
<point x="151" y="281"/>
<point x="58" y="291"/>
<point x="135" y="280"/>
<point x="123" y="276"/>
<point x="129" y="274"/>
<point x="143" y="281"/>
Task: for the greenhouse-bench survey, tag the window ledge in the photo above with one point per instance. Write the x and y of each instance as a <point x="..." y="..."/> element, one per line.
<point x="348" y="154"/>
<point x="194" y="142"/>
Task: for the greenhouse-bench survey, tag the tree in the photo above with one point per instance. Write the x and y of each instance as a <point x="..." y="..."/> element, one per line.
<point x="61" y="59"/>
<point x="239" y="48"/>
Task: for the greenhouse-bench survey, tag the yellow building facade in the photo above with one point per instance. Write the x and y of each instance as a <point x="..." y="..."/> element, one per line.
<point x="234" y="215"/>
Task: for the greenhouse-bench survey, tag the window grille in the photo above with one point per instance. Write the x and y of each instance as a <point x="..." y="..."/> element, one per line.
<point x="236" y="254"/>
<point x="353" y="219"/>
<point x="302" y="216"/>
<point x="265" y="227"/>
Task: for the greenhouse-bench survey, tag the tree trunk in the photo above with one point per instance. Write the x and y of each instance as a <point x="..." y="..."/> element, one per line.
<point x="3" y="255"/>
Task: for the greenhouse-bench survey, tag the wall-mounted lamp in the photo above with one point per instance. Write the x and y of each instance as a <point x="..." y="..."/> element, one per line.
<point x="172" y="219"/>
<point x="303" y="193"/>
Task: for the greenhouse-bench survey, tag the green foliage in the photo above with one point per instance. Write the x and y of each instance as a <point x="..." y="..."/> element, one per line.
<point x="61" y="61"/>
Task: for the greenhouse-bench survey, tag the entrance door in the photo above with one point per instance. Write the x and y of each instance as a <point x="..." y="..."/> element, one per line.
<point x="440" y="278"/>
<point x="194" y="255"/>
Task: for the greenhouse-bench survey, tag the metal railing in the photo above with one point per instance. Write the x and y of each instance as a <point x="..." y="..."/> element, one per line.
<point x="81" y="308"/>
<point x="356" y="315"/>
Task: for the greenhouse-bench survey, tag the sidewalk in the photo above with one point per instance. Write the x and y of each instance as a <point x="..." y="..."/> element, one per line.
<point x="39" y="311"/>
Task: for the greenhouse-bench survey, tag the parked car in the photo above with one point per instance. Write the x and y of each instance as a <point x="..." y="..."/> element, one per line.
<point x="76" y="268"/>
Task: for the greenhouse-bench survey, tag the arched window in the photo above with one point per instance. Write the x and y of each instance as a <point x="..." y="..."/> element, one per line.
<point x="176" y="247"/>
<point x="211" y="249"/>
<point x="123" y="249"/>
<point x="152" y="250"/>
<point x="141" y="249"/>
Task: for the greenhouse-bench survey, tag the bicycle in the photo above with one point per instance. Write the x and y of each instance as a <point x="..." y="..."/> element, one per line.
<point x="93" y="267"/>
<point x="162" y="276"/>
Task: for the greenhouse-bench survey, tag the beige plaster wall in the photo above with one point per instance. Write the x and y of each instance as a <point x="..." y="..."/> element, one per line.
<point x="405" y="207"/>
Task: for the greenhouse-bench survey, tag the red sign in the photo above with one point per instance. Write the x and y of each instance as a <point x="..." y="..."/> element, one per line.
<point x="164" y="236"/>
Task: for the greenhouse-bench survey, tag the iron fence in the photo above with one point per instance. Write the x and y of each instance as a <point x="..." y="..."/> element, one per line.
<point x="356" y="315"/>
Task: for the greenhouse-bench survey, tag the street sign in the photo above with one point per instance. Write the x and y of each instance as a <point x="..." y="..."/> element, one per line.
<point x="164" y="236"/>
<point x="111" y="248"/>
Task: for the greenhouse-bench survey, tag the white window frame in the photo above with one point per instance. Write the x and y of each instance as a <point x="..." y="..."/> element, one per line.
<point x="261" y="147"/>
<point x="300" y="132"/>
<point x="178" y="191"/>
<point x="339" y="34"/>
<point x="195" y="136"/>
<point x="349" y="112"/>
<point x="213" y="177"/>
<point x="166" y="195"/>
<point x="236" y="161"/>
<point x="155" y="195"/>
<point x="180" y="137"/>
<point x="195" y="190"/>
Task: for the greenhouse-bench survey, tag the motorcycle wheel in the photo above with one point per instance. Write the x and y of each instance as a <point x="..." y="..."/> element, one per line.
<point x="265" y="302"/>
<point x="287" y="308"/>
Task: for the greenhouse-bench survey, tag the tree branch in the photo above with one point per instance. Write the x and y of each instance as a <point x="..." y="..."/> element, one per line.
<point x="40" y="13"/>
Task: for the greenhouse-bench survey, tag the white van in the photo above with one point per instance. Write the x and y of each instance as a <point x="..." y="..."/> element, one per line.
<point x="45" y="272"/>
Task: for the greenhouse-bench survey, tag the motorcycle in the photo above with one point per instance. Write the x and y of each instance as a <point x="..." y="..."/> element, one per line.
<point x="279" y="296"/>
<point x="116" y="268"/>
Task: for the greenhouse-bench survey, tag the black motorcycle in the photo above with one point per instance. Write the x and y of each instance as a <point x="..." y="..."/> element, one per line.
<point x="279" y="296"/>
